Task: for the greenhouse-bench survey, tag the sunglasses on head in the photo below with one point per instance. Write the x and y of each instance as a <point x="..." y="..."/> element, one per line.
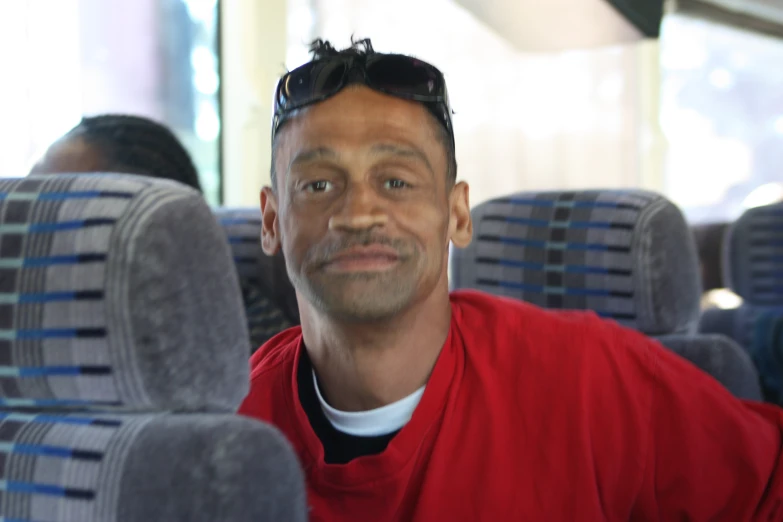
<point x="393" y="74"/>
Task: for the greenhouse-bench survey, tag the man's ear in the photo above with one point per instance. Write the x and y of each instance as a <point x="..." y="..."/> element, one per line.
<point x="460" y="222"/>
<point x="270" y="226"/>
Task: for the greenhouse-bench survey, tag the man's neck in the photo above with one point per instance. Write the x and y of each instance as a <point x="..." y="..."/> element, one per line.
<point x="366" y="366"/>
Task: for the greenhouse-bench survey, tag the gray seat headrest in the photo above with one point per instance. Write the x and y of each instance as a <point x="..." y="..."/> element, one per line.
<point x="117" y="292"/>
<point x="625" y="254"/>
<point x="753" y="256"/>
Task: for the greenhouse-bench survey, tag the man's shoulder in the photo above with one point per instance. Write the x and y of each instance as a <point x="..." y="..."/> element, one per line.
<point x="276" y="353"/>
<point x="479" y="309"/>
<point x="271" y="367"/>
<point x="520" y="330"/>
<point x="591" y="365"/>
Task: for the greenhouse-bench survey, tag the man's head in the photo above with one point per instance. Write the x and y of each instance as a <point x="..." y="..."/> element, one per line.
<point x="364" y="199"/>
<point x="121" y="144"/>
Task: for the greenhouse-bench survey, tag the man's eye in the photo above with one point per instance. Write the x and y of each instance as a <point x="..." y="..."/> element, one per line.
<point x="318" y="186"/>
<point x="395" y="184"/>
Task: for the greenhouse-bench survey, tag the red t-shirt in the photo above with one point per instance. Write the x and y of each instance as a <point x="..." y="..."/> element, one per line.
<point x="543" y="416"/>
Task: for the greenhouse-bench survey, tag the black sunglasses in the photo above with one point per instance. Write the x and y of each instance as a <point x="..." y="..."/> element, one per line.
<point x="394" y="74"/>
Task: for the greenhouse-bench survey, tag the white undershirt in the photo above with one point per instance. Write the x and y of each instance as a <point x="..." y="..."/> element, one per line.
<point x="371" y="423"/>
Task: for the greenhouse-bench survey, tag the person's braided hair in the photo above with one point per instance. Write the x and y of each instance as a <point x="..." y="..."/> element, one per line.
<point x="137" y="145"/>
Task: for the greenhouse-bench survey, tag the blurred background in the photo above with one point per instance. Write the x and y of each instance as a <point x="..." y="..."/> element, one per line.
<point x="562" y="94"/>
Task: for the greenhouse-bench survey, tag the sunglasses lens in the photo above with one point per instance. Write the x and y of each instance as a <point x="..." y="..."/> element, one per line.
<point x="311" y="82"/>
<point x="405" y="76"/>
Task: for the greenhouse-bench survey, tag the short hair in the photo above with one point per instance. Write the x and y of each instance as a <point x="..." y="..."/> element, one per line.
<point x="321" y="49"/>
<point x="137" y="145"/>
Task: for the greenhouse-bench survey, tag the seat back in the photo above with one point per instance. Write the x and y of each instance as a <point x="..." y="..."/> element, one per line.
<point x="737" y="323"/>
<point x="753" y="256"/>
<point x="721" y="358"/>
<point x="627" y="255"/>
<point x="766" y="350"/>
<point x="269" y="296"/>
<point x="124" y="356"/>
<point x="753" y="269"/>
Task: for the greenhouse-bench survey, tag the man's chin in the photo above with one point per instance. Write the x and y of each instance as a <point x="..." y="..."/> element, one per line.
<point x="364" y="298"/>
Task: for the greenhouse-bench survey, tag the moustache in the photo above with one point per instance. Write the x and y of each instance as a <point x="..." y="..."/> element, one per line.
<point x="324" y="253"/>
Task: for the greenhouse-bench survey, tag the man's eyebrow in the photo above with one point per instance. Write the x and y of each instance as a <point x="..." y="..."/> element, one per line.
<point x="308" y="155"/>
<point x="404" y="152"/>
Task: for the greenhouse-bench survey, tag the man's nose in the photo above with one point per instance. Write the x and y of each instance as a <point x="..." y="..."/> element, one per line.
<point x="362" y="208"/>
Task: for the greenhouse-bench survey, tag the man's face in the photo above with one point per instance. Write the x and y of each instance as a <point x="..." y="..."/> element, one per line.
<point x="363" y="208"/>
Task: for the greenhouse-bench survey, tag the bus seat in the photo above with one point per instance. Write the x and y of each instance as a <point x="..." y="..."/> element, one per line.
<point x="269" y="296"/>
<point x="124" y="356"/>
<point x="753" y="269"/>
<point x="753" y="256"/>
<point x="766" y="351"/>
<point x="720" y="357"/>
<point x="627" y="255"/>
<point x="737" y="323"/>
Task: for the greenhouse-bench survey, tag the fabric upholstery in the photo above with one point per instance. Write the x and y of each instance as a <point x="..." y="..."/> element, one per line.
<point x="119" y="299"/>
<point x="729" y="323"/>
<point x="737" y="323"/>
<point x="115" y="291"/>
<point x="758" y="330"/>
<point x="753" y="269"/>
<point x="725" y="360"/>
<point x="269" y="297"/>
<point x="142" y="468"/>
<point x="753" y="260"/>
<point x="752" y="327"/>
<point x="766" y="350"/>
<point x="628" y="255"/>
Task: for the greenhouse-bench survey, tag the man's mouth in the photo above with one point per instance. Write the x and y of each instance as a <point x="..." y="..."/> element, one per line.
<point x="370" y="258"/>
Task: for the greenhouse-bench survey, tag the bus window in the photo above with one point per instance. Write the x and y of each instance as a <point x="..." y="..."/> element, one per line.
<point x="722" y="113"/>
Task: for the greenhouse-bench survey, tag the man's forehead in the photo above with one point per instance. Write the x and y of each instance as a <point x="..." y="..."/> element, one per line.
<point x="398" y="150"/>
<point x="358" y="115"/>
<point x="357" y="105"/>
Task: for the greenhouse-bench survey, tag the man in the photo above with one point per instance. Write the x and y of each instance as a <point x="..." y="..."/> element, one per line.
<point x="407" y="403"/>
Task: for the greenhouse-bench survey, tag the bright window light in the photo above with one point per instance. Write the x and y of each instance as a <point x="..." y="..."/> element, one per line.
<point x="764" y="195"/>
<point x="207" y="122"/>
<point x="722" y="79"/>
<point x="722" y="298"/>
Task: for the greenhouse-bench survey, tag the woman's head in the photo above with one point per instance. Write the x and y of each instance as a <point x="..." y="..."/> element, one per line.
<point x="121" y="144"/>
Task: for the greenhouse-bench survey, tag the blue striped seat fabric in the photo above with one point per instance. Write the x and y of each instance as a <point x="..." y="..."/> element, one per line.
<point x="754" y="256"/>
<point x="625" y="254"/>
<point x="269" y="297"/>
<point x="97" y="305"/>
<point x="140" y="468"/>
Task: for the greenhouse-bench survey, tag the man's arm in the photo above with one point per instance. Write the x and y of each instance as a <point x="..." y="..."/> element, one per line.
<point x="711" y="457"/>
